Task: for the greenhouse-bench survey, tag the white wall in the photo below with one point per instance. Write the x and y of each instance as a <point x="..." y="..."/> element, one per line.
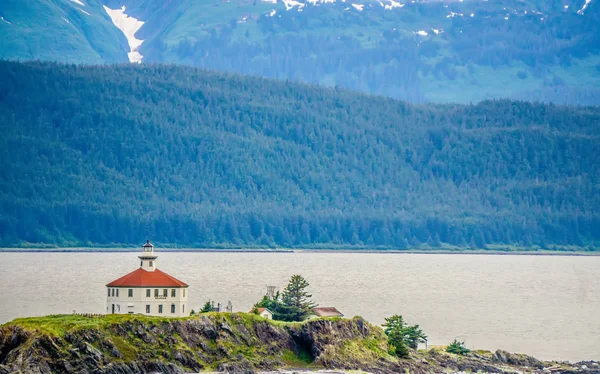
<point x="137" y="303"/>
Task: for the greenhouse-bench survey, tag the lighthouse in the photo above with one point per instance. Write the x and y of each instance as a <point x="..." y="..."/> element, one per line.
<point x="147" y="290"/>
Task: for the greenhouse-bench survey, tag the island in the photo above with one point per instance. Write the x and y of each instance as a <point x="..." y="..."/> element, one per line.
<point x="233" y="342"/>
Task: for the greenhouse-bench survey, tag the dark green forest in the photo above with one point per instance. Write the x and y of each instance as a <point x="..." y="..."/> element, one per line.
<point x="103" y="155"/>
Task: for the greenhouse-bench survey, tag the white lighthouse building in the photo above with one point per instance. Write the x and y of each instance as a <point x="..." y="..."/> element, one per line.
<point x="147" y="290"/>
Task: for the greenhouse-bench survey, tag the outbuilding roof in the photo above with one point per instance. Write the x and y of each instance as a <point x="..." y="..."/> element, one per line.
<point x="144" y="278"/>
<point x="327" y="311"/>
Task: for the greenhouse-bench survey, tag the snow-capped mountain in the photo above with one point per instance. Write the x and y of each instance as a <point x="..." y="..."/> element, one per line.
<point x="416" y="50"/>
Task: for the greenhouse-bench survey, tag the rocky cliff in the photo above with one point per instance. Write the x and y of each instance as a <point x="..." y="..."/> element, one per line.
<point x="241" y="343"/>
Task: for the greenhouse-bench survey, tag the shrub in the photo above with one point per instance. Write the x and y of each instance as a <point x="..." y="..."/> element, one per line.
<point x="457" y="347"/>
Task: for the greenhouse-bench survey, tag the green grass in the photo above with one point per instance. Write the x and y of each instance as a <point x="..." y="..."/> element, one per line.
<point x="58" y="325"/>
<point x="128" y="352"/>
<point x="298" y="360"/>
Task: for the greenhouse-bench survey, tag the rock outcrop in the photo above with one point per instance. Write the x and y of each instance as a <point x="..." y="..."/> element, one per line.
<point x="237" y="343"/>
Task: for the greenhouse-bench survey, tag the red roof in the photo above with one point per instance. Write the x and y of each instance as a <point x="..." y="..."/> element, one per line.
<point x="144" y="278"/>
<point x="260" y="310"/>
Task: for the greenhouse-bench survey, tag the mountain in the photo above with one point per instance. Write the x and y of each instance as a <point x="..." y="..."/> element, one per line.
<point x="421" y="51"/>
<point x="94" y="155"/>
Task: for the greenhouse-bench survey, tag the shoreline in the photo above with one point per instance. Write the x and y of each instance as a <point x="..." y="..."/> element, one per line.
<point x="490" y="252"/>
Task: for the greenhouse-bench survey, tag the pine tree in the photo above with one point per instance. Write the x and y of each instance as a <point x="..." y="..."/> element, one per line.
<point x="209" y="306"/>
<point x="401" y="336"/>
<point x="297" y="299"/>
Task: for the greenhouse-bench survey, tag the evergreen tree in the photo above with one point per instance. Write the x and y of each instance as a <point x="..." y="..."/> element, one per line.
<point x="401" y="336"/>
<point x="209" y="306"/>
<point x="297" y="299"/>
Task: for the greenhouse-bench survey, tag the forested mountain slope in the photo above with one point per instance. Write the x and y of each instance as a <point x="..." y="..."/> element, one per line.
<point x="421" y="51"/>
<point x="98" y="155"/>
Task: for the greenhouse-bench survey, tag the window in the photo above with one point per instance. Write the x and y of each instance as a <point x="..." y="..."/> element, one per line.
<point x="113" y="292"/>
<point x="165" y="292"/>
<point x="147" y="308"/>
<point x="150" y="263"/>
<point x="172" y="308"/>
<point x="117" y="292"/>
<point x="183" y="308"/>
<point x="148" y="292"/>
<point x="141" y="263"/>
<point x="160" y="308"/>
<point x="173" y="292"/>
<point x="109" y="292"/>
<point x="184" y="292"/>
<point x="130" y="293"/>
<point x="156" y="292"/>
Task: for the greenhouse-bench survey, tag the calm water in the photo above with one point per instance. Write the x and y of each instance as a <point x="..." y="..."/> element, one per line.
<point x="541" y="305"/>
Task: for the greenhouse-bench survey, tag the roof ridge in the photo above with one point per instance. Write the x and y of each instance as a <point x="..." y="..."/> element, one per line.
<point x="143" y="278"/>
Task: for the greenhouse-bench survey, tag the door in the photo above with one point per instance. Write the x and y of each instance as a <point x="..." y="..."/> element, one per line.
<point x="113" y="309"/>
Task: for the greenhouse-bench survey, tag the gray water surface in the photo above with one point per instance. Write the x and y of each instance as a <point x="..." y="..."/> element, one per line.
<point x="546" y="306"/>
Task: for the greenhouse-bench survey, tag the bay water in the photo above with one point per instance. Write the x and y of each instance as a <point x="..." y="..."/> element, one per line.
<point x="545" y="306"/>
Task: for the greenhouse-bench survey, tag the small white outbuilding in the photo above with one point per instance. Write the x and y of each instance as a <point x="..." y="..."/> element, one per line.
<point x="263" y="312"/>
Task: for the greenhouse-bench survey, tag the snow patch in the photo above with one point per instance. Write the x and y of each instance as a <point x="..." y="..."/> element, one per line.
<point x="393" y="4"/>
<point x="358" y="7"/>
<point x="290" y="4"/>
<point x="2" y="18"/>
<point x="437" y="32"/>
<point x="83" y="11"/>
<point x="129" y="26"/>
<point x="422" y="32"/>
<point x="78" y="2"/>
<point x="587" y="2"/>
<point x="452" y="15"/>
<point x="273" y="12"/>
<point x="66" y="20"/>
<point x="318" y="2"/>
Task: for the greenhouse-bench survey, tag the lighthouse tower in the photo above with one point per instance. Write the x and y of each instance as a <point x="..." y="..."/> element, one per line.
<point x="147" y="290"/>
<point x="148" y="258"/>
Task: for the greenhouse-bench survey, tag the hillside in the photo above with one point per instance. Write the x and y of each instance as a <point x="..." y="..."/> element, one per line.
<point x="420" y="51"/>
<point x="229" y="342"/>
<point x="118" y="154"/>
